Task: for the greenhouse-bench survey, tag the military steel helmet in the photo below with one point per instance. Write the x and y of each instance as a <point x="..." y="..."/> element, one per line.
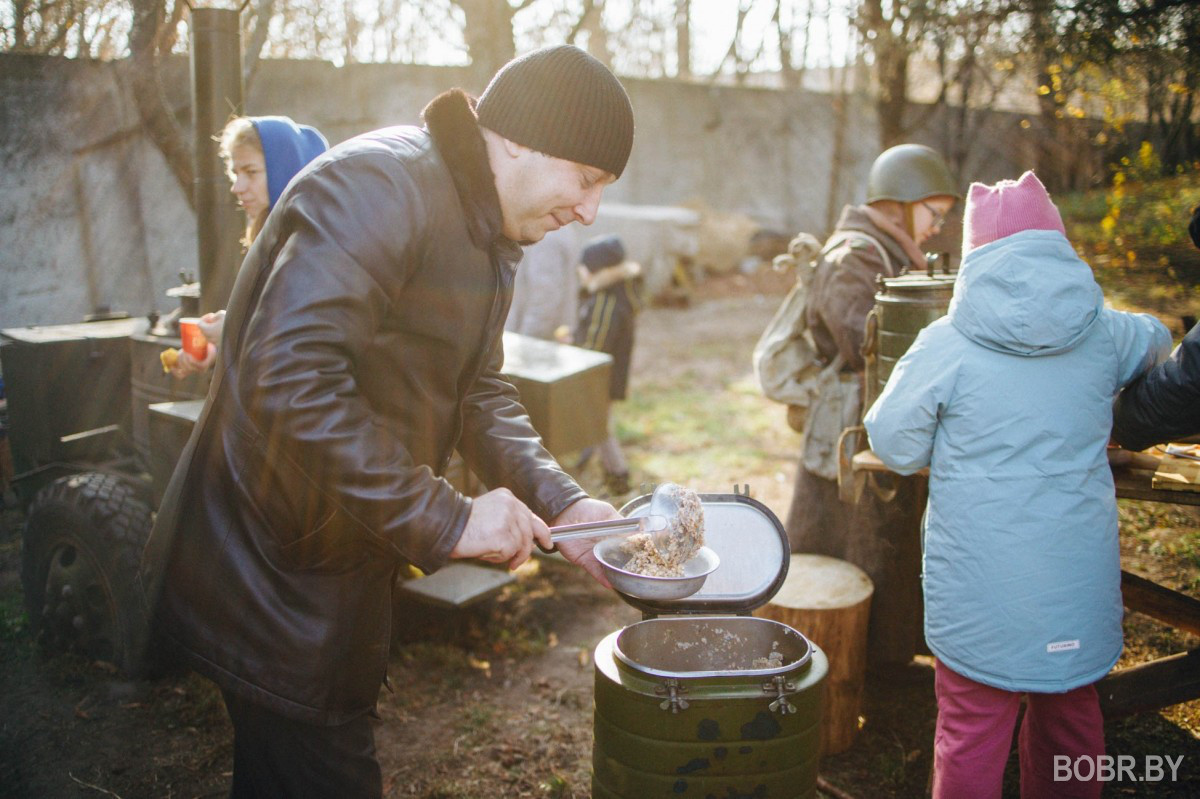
<point x="908" y="173"/>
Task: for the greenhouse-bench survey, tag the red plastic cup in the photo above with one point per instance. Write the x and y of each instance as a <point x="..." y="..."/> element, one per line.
<point x="194" y="342"/>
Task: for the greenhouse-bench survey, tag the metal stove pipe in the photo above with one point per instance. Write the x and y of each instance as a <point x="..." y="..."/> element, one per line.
<point x="216" y="64"/>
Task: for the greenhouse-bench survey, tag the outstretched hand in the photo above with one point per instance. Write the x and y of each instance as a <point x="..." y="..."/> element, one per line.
<point x="579" y="550"/>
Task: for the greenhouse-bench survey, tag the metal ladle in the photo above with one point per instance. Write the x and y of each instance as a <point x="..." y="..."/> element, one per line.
<point x="664" y="509"/>
<point x="653" y="524"/>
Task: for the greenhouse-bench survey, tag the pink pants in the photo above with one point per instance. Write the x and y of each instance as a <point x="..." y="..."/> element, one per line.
<point x="974" y="736"/>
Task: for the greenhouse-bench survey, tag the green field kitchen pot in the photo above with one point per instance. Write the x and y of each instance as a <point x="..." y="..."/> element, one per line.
<point x="903" y="305"/>
<point x="700" y="699"/>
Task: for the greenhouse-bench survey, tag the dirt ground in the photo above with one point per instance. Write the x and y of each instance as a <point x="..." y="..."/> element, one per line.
<point x="497" y="701"/>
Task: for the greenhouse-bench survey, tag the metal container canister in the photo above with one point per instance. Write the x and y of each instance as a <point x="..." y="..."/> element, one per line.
<point x="903" y="306"/>
<point x="700" y="700"/>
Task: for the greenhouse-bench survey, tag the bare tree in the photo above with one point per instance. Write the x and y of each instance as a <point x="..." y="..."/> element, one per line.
<point x="839" y="96"/>
<point x="152" y="35"/>
<point x="488" y="31"/>
<point x="92" y="28"/>
<point x="734" y="56"/>
<point x="791" y="68"/>
<point x="683" y="39"/>
<point x="42" y="26"/>
<point x="892" y="32"/>
<point x="255" y="27"/>
<point x="591" y="22"/>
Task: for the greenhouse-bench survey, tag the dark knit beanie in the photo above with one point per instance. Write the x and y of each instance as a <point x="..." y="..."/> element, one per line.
<point x="564" y="103"/>
<point x="1194" y="228"/>
<point x="603" y="252"/>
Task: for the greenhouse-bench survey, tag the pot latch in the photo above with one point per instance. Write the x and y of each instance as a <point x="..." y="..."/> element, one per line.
<point x="780" y="687"/>
<point x="674" y="702"/>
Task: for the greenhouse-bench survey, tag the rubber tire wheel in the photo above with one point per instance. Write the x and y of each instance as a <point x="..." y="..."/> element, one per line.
<point x="83" y="542"/>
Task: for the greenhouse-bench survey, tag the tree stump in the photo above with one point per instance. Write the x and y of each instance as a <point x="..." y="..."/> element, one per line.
<point x="829" y="601"/>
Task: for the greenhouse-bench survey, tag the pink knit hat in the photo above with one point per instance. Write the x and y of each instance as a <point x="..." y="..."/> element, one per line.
<point x="993" y="212"/>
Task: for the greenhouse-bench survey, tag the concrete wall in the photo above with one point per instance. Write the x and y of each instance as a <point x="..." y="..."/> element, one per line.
<point x="90" y="216"/>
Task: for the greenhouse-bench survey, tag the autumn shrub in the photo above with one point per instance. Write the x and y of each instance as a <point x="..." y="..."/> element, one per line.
<point x="1142" y="216"/>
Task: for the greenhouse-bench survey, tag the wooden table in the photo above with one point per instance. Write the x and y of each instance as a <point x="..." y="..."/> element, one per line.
<point x="1167" y="680"/>
<point x="1175" y="678"/>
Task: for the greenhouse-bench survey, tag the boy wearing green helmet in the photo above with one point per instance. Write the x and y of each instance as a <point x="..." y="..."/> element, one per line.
<point x="909" y="192"/>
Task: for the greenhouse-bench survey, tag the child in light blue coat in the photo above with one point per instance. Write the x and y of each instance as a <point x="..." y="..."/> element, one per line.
<point x="1007" y="400"/>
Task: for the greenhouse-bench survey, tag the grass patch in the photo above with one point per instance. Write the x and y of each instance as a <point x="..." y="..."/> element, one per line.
<point x="681" y="432"/>
<point x="14" y="624"/>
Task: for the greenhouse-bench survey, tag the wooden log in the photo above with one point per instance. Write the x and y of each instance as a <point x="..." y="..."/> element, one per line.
<point x="829" y="601"/>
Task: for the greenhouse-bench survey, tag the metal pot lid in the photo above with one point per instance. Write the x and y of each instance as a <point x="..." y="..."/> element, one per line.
<point x="918" y="281"/>
<point x="754" y="552"/>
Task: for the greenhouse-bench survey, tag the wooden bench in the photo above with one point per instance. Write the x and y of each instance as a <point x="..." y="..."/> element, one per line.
<point x="456" y="586"/>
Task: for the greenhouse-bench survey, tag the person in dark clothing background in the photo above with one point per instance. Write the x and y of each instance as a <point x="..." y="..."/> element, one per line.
<point x="1164" y="404"/>
<point x="607" y="320"/>
<point x="362" y="347"/>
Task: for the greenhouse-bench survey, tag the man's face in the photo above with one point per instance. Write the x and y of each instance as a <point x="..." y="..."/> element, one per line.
<point x="541" y="193"/>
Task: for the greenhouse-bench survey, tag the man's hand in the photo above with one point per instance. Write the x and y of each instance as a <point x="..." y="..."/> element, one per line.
<point x="579" y="550"/>
<point x="499" y="529"/>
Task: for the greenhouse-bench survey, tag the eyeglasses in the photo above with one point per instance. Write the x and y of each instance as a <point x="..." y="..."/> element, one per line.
<point x="939" y="217"/>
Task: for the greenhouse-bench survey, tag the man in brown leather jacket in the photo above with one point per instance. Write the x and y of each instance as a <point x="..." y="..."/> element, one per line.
<point x="362" y="346"/>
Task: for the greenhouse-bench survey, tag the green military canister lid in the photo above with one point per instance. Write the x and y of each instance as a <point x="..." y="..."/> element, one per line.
<point x="908" y="173"/>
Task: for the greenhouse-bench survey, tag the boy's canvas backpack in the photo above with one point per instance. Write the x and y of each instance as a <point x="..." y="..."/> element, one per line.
<point x="786" y="361"/>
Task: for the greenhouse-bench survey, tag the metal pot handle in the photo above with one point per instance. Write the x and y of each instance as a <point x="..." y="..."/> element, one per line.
<point x="850" y="484"/>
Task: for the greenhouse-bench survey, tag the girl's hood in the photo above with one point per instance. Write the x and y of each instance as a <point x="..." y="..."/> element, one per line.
<point x="1025" y="294"/>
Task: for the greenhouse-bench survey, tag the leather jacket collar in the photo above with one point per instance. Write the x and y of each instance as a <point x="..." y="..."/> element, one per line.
<point x="451" y="121"/>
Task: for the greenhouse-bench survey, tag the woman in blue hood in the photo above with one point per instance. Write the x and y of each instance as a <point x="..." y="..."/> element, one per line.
<point x="262" y="155"/>
<point x="1008" y="401"/>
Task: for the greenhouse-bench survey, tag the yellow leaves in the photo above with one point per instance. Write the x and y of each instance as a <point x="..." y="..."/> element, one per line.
<point x="1026" y="124"/>
<point x="1108" y="224"/>
<point x="1043" y="90"/>
<point x="1177" y="88"/>
<point x="480" y="665"/>
<point x="1148" y="159"/>
<point x="1005" y="65"/>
